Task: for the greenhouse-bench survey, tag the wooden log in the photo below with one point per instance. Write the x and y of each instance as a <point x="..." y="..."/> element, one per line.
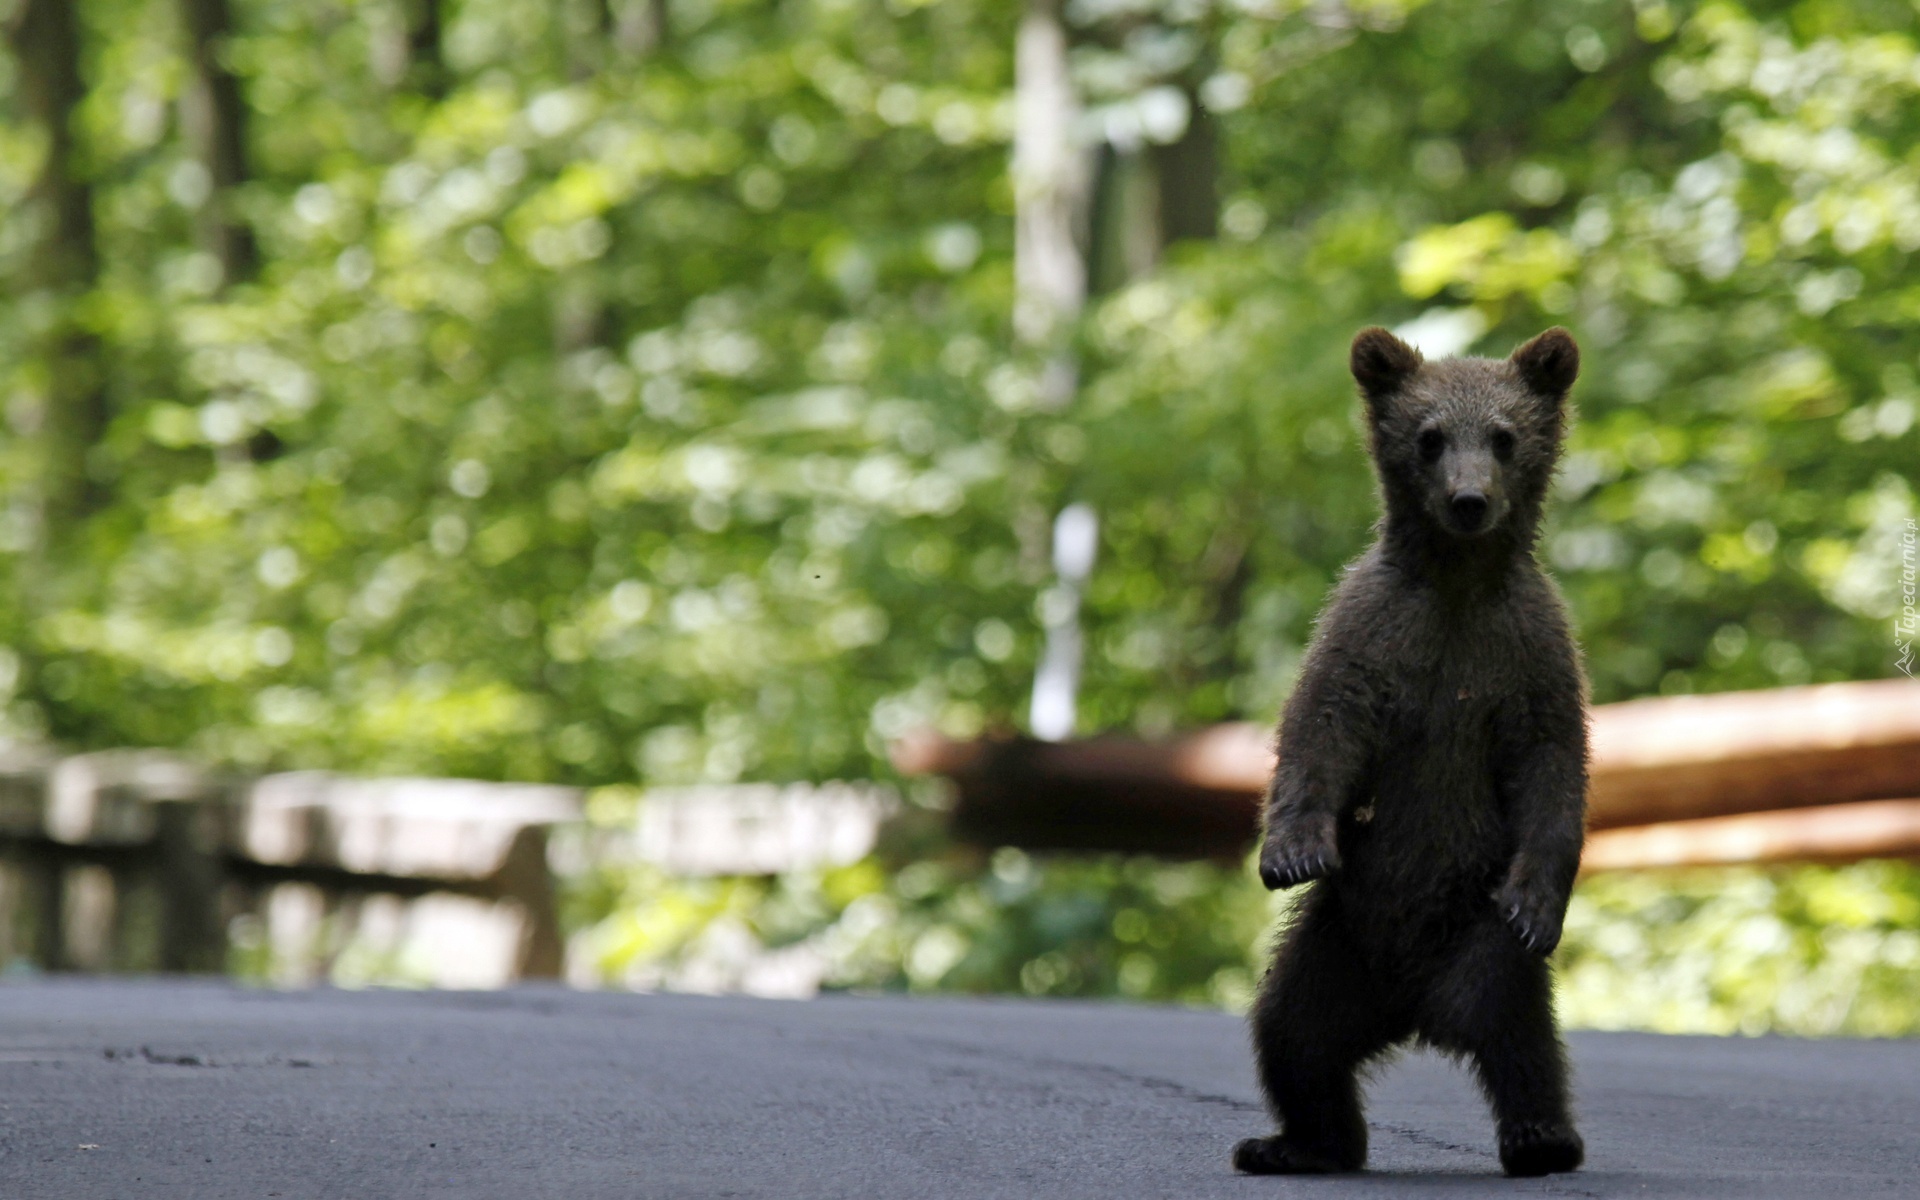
<point x="1195" y="797"/>
<point x="1682" y="757"/>
<point x="1835" y="833"/>
<point x="1663" y="759"/>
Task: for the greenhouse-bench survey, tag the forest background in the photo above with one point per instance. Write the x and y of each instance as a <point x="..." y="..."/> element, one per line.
<point x="643" y="392"/>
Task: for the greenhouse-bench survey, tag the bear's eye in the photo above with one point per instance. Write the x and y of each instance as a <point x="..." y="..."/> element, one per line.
<point x="1432" y="442"/>
<point x="1503" y="444"/>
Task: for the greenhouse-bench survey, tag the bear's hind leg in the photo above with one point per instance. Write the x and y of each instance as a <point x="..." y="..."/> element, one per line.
<point x="1319" y="1017"/>
<point x="1495" y="1006"/>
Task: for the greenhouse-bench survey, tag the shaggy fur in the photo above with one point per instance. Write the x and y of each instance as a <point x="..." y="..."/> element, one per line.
<point x="1433" y="772"/>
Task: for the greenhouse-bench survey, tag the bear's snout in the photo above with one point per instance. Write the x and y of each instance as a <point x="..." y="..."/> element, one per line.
<point x="1469" y="508"/>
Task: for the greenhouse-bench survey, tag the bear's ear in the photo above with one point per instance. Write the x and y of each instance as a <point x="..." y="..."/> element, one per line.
<point x="1549" y="363"/>
<point x="1381" y="362"/>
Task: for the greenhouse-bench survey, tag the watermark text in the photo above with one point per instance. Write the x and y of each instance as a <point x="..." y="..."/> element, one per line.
<point x="1906" y="622"/>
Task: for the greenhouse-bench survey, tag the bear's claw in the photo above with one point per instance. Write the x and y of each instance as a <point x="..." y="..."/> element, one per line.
<point x="1301" y="869"/>
<point x="1298" y="851"/>
<point x="1533" y="921"/>
<point x="1277" y="1156"/>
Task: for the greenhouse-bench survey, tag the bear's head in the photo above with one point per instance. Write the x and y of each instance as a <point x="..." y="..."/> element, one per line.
<point x="1465" y="445"/>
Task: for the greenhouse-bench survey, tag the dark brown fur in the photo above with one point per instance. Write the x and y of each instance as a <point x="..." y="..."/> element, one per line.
<point x="1433" y="771"/>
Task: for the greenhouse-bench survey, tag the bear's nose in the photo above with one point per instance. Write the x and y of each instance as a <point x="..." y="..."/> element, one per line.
<point x="1469" y="509"/>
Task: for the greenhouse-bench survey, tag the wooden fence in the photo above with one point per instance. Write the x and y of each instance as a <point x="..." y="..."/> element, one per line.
<point x="1823" y="773"/>
<point x="139" y="860"/>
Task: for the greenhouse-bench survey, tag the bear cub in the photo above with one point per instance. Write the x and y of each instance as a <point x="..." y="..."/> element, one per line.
<point x="1432" y="775"/>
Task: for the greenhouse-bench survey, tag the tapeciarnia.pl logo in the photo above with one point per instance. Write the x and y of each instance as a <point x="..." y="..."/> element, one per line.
<point x="1904" y="624"/>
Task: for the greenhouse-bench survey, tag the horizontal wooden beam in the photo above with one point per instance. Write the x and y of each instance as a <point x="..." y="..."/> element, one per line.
<point x="1836" y="833"/>
<point x="1191" y="797"/>
<point x="1682" y="757"/>
<point x="1655" y="760"/>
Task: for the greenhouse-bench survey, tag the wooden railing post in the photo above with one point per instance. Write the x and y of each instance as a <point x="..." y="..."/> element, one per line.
<point x="46" y="887"/>
<point x="524" y="877"/>
<point x="188" y="869"/>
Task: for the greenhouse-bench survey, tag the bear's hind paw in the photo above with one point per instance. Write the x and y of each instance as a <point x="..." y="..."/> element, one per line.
<point x="1541" y="1149"/>
<point x="1277" y="1156"/>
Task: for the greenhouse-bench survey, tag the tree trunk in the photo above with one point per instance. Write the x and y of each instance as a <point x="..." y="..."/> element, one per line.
<point x="1146" y="198"/>
<point x="218" y="114"/>
<point x="1053" y="192"/>
<point x="1188" y="171"/>
<point x="1125" y="238"/>
<point x="65" y="263"/>
<point x="46" y="40"/>
<point x="638" y="27"/>
<point x="426" y="63"/>
<point x="1051" y="181"/>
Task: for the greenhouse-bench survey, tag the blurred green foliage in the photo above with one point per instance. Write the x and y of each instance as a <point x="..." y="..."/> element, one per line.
<point x="1083" y="926"/>
<point x="616" y="412"/>
<point x="1808" y="950"/>
<point x="655" y="418"/>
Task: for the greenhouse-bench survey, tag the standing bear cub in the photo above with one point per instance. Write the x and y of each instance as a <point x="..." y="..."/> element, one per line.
<point x="1432" y="774"/>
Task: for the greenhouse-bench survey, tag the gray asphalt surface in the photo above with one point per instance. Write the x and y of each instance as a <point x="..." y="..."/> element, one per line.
<point x="161" y="1089"/>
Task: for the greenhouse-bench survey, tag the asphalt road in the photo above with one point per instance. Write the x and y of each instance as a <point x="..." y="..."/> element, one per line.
<point x="149" y="1089"/>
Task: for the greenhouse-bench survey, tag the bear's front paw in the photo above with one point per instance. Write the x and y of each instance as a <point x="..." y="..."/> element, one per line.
<point x="1534" y="918"/>
<point x="1298" y="851"/>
